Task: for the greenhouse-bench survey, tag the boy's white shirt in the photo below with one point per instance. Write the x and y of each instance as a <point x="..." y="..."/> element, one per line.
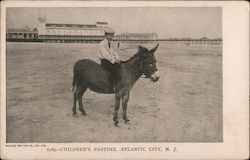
<point x="107" y="53"/>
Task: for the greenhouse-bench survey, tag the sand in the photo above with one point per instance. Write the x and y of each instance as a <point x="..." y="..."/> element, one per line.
<point x="185" y="105"/>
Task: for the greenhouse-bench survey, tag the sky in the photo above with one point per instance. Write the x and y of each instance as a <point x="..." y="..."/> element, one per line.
<point x="167" y="22"/>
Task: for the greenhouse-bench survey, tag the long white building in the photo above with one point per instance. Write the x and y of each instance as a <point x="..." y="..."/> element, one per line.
<point x="72" y="32"/>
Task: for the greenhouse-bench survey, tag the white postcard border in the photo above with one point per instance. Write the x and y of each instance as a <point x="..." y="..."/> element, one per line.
<point x="235" y="93"/>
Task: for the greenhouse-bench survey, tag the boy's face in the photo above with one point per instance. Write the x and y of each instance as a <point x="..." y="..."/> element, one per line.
<point x="109" y="38"/>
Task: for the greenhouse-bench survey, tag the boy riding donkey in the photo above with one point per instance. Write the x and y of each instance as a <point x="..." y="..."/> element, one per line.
<point x="110" y="59"/>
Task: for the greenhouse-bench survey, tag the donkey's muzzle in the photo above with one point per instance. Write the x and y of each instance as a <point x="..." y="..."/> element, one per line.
<point x="155" y="76"/>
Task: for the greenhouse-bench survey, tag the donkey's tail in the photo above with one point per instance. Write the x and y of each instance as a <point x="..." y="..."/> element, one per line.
<point x="74" y="82"/>
<point x="73" y="87"/>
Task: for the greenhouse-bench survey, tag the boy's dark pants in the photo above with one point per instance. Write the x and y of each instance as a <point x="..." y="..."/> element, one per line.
<point x="113" y="68"/>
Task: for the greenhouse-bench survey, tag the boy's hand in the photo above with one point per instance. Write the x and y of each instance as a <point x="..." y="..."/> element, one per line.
<point x="117" y="61"/>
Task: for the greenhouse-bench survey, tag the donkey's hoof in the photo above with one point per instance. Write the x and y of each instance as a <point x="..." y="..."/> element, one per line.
<point x="126" y="121"/>
<point x="84" y="113"/>
<point x="116" y="124"/>
<point x="74" y="115"/>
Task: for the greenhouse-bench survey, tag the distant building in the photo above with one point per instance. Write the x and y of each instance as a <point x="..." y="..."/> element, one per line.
<point x="72" y="32"/>
<point x="22" y="34"/>
<point x="79" y="33"/>
<point x="136" y="37"/>
<point x="188" y="41"/>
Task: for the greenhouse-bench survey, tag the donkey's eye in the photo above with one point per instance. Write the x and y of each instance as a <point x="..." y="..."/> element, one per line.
<point x="150" y="64"/>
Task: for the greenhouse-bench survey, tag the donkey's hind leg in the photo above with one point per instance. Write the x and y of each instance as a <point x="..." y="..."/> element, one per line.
<point x="82" y="91"/>
<point x="74" y="104"/>
<point x="76" y="95"/>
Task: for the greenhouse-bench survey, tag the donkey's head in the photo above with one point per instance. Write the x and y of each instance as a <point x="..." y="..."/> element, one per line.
<point x="149" y="63"/>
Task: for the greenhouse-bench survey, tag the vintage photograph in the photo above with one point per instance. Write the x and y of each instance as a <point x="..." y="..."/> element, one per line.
<point x="114" y="75"/>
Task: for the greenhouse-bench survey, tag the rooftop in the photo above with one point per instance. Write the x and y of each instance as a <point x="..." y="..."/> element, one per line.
<point x="102" y="23"/>
<point x="81" y="26"/>
<point x="21" y="30"/>
<point x="71" y="25"/>
<point x="137" y="34"/>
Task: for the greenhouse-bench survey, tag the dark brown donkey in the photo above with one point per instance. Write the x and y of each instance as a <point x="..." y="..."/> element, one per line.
<point x="89" y="74"/>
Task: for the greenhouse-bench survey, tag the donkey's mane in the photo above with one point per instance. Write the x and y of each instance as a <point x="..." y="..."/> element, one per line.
<point x="134" y="56"/>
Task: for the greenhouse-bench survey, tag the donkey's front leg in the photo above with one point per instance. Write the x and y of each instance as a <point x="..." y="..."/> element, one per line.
<point x="125" y="99"/>
<point x="117" y="106"/>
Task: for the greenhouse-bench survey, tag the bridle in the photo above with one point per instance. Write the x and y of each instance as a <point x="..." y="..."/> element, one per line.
<point x="140" y="74"/>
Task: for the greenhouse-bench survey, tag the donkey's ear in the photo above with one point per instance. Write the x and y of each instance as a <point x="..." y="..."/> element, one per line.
<point x="142" y="50"/>
<point x="154" y="49"/>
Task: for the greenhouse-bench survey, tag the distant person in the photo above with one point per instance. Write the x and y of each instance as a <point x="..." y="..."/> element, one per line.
<point x="109" y="58"/>
<point x="118" y="44"/>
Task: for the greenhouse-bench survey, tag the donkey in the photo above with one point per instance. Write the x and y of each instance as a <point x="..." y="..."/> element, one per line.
<point x="89" y="74"/>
